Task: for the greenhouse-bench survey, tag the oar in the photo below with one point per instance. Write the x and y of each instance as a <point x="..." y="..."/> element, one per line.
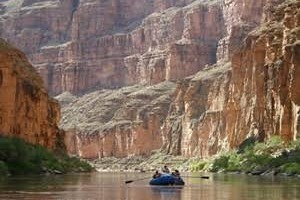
<point x="130" y="181"/>
<point x="204" y="177"/>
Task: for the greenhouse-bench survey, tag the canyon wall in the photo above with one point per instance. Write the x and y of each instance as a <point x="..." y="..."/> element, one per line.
<point x="196" y="122"/>
<point x="83" y="45"/>
<point x="26" y="111"/>
<point x="176" y="42"/>
<point x="251" y="91"/>
<point x="217" y="109"/>
<point x="245" y="87"/>
<point x="122" y="122"/>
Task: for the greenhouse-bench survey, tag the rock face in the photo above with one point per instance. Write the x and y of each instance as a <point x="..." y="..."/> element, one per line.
<point x="80" y="45"/>
<point x="217" y="109"/>
<point x="240" y="17"/>
<point x="268" y="65"/>
<point x="249" y="89"/>
<point x="117" y="123"/>
<point x="26" y="111"/>
<point x="196" y="121"/>
<point x="129" y="47"/>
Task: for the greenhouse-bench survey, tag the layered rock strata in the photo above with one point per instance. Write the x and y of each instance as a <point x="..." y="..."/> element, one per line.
<point x="118" y="123"/>
<point x="240" y="17"/>
<point x="255" y="93"/>
<point x="26" y="111"/>
<point x="217" y="109"/>
<point x="85" y="45"/>
<point x="82" y="45"/>
<point x="196" y="122"/>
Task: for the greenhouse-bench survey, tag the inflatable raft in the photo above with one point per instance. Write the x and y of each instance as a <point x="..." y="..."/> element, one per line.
<point x="167" y="179"/>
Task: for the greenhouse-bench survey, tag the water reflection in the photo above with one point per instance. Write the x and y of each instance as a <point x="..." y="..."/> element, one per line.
<point x="111" y="186"/>
<point x="167" y="192"/>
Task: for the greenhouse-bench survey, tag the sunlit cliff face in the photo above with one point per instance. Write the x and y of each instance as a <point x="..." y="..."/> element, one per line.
<point x="79" y="46"/>
<point x="245" y="94"/>
<point x="232" y="84"/>
<point x="26" y="111"/>
<point x="257" y="96"/>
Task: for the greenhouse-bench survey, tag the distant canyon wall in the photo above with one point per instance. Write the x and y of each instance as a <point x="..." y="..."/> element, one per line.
<point x="253" y="93"/>
<point x="229" y="87"/>
<point x="83" y="45"/>
<point x="121" y="122"/>
<point x="26" y="110"/>
<point x="198" y="122"/>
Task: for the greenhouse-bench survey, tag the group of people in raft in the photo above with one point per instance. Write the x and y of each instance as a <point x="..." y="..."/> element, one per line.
<point x="166" y="170"/>
<point x="166" y="178"/>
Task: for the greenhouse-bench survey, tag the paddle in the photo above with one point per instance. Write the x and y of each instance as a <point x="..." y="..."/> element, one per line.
<point x="204" y="177"/>
<point x="130" y="181"/>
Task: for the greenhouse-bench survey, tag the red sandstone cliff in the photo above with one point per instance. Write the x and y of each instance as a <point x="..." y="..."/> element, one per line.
<point x="26" y="111"/>
<point x="119" y="123"/>
<point x="166" y="46"/>
<point x="259" y="95"/>
<point x="251" y="91"/>
<point x="82" y="45"/>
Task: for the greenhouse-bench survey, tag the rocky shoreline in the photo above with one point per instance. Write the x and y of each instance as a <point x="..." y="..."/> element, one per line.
<point x="273" y="157"/>
<point x="149" y="165"/>
<point x="142" y="164"/>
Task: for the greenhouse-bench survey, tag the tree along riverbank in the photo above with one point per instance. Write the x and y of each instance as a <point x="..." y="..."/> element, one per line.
<point x="19" y="157"/>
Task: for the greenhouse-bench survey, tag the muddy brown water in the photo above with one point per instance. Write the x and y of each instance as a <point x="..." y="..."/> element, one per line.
<point x="111" y="186"/>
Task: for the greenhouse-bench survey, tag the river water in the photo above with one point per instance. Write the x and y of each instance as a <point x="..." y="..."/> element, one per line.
<point x="111" y="186"/>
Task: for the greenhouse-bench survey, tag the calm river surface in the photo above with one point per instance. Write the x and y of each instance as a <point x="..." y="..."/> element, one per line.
<point x="111" y="186"/>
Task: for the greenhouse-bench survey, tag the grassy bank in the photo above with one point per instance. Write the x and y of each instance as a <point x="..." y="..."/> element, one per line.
<point x="271" y="157"/>
<point x="19" y="157"/>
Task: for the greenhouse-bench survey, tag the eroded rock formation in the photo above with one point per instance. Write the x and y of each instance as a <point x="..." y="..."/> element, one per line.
<point x="26" y="111"/>
<point x="218" y="109"/>
<point x="79" y="45"/>
<point x="119" y="123"/>
<point x="251" y="91"/>
<point x="251" y="88"/>
<point x="196" y="121"/>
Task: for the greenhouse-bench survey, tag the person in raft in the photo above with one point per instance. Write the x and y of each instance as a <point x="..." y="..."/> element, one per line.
<point x="176" y="173"/>
<point x="156" y="174"/>
<point x="166" y="170"/>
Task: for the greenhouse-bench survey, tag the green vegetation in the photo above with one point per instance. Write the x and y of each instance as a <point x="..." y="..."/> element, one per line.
<point x="19" y="157"/>
<point x="273" y="156"/>
<point x="4" y="45"/>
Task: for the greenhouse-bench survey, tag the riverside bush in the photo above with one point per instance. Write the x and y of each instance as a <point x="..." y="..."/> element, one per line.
<point x="19" y="157"/>
<point x="3" y="168"/>
<point x="220" y="163"/>
<point x="234" y="162"/>
<point x="291" y="168"/>
<point x="272" y="154"/>
<point x="198" y="165"/>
